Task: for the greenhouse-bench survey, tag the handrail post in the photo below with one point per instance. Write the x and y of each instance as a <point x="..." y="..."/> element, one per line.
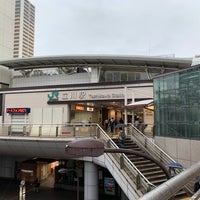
<point x="121" y="161"/>
<point x="138" y="181"/>
<point x="98" y="132"/>
<point x="161" y="156"/>
<point x="24" y="130"/>
<point x="74" y="130"/>
<point x="108" y="143"/>
<point x="145" y="142"/>
<point x="40" y="131"/>
<point x="57" y="131"/>
<point x="9" y="130"/>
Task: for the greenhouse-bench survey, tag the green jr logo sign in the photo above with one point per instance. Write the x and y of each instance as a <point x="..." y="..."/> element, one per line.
<point x="53" y="96"/>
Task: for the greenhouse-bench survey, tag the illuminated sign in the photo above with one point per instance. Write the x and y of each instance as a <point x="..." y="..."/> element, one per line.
<point x="18" y="110"/>
<point x="78" y="107"/>
<point x="90" y="109"/>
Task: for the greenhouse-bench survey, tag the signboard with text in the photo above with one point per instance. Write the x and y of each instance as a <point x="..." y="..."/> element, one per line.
<point x="18" y="110"/>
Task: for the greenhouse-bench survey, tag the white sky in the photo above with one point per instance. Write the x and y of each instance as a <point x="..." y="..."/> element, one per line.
<point x="117" y="27"/>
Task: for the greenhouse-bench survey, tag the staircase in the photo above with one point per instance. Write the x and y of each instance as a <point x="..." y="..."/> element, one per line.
<point x="148" y="168"/>
<point x="141" y="172"/>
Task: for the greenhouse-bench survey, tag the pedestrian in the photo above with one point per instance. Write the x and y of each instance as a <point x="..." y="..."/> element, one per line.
<point x="122" y="137"/>
<point x="121" y="121"/>
<point x="112" y="125"/>
<point x="136" y="122"/>
<point x="36" y="185"/>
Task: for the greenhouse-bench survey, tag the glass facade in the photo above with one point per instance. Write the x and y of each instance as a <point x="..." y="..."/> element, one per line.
<point x="177" y="104"/>
<point x="122" y="76"/>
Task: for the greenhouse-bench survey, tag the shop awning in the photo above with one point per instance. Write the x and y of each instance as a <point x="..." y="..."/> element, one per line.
<point x="148" y="104"/>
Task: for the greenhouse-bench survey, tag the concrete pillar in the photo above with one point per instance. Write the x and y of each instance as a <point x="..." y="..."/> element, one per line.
<point x="125" y="104"/>
<point x="67" y="113"/>
<point x="90" y="181"/>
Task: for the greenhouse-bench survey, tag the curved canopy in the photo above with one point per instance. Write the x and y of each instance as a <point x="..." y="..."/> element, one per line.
<point x="96" y="61"/>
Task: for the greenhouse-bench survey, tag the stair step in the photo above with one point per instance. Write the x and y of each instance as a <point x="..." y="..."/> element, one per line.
<point x="155" y="172"/>
<point x="150" y="169"/>
<point x="158" y="181"/>
<point x="136" y="159"/>
<point x="129" y="147"/>
<point x="181" y="195"/>
<point x="156" y="177"/>
<point x="148" y="165"/>
<point x="141" y="162"/>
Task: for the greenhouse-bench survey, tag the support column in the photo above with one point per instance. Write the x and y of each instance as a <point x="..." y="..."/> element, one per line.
<point x="67" y="113"/>
<point x="133" y="113"/>
<point x="90" y="181"/>
<point x="125" y="104"/>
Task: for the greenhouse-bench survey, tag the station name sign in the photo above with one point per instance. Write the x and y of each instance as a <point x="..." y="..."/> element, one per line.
<point x="18" y="110"/>
<point x="102" y="94"/>
<point x="91" y="95"/>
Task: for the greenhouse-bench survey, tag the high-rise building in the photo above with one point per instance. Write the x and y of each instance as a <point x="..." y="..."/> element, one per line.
<point x="24" y="29"/>
<point x="16" y="33"/>
<point x="7" y="16"/>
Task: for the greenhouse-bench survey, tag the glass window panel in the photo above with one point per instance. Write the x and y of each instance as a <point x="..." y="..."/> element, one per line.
<point x="109" y="77"/>
<point x="124" y="77"/>
<point x="137" y="76"/>
<point x="116" y="77"/>
<point x="131" y="76"/>
<point x="177" y="103"/>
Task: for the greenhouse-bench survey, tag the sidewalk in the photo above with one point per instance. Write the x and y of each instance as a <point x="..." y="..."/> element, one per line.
<point x="51" y="194"/>
<point x="9" y="190"/>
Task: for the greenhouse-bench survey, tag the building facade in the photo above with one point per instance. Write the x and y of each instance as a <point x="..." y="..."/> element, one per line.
<point x="24" y="29"/>
<point x="177" y="110"/>
<point x="16" y="34"/>
<point x="7" y="15"/>
<point x="81" y="90"/>
<point x="16" y="29"/>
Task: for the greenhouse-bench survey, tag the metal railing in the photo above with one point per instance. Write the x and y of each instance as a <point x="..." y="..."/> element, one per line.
<point x="149" y="146"/>
<point x="49" y="130"/>
<point x="135" y="178"/>
<point x="80" y="130"/>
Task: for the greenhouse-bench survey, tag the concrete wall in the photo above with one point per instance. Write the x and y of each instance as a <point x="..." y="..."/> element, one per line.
<point x="184" y="151"/>
<point x="38" y="104"/>
<point x="7" y="167"/>
<point x="51" y="80"/>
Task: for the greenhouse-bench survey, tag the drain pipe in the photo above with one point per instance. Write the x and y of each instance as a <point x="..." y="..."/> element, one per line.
<point x="168" y="189"/>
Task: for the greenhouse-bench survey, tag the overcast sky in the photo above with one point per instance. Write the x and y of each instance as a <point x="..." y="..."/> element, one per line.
<point x="117" y="27"/>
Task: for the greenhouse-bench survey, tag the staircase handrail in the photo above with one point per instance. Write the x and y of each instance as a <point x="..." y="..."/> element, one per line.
<point x="148" y="145"/>
<point x="151" y="147"/>
<point x="129" y="168"/>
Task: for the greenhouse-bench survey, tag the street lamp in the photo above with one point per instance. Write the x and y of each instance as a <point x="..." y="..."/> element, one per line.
<point x="94" y="148"/>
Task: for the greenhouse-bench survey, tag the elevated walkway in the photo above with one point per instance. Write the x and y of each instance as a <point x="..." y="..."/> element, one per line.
<point x="135" y="175"/>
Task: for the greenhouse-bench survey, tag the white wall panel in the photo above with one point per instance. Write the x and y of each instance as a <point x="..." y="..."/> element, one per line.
<point x="37" y="116"/>
<point x="47" y="115"/>
<point x="57" y="117"/>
